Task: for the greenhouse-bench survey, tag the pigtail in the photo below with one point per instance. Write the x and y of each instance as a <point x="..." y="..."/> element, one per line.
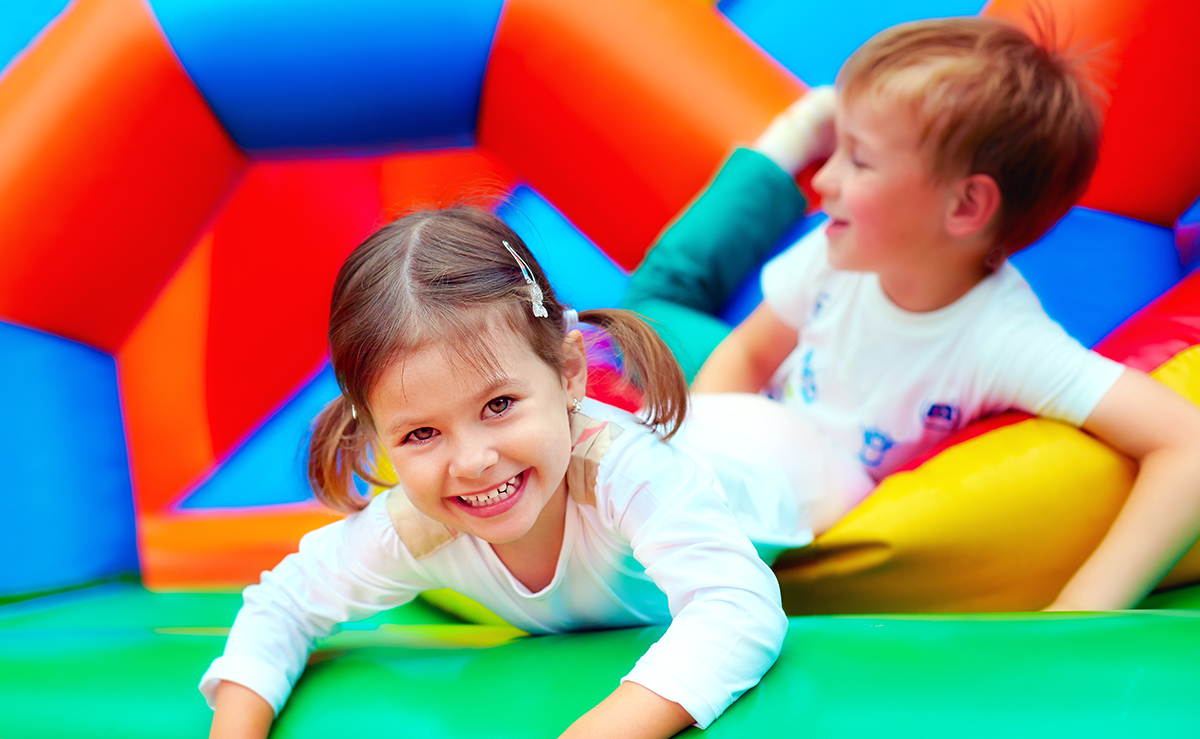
<point x="648" y="365"/>
<point x="340" y="448"/>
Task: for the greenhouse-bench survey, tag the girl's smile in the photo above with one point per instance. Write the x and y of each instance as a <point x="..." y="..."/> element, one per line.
<point x="494" y="502"/>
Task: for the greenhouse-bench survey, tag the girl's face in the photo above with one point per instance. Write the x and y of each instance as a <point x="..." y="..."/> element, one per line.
<point x="485" y="455"/>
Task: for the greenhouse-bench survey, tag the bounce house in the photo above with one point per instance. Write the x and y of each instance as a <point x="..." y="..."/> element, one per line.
<point x="179" y="182"/>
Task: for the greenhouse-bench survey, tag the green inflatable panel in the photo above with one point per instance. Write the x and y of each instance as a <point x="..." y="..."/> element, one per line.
<point x="124" y="663"/>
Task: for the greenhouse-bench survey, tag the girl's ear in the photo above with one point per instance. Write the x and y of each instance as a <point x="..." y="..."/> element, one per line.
<point x="976" y="201"/>
<point x="575" y="365"/>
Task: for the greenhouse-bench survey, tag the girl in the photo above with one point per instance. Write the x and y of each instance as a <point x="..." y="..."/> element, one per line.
<point x="456" y="360"/>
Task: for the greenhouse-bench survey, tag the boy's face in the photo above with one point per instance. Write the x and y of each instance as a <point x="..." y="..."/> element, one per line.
<point x="886" y="211"/>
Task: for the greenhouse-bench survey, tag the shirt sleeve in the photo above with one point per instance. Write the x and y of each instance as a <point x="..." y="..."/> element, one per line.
<point x="727" y="624"/>
<point x="345" y="571"/>
<point x="789" y="281"/>
<point x="1035" y="366"/>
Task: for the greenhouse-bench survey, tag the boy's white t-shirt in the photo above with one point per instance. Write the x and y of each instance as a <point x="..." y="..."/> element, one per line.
<point x="887" y="384"/>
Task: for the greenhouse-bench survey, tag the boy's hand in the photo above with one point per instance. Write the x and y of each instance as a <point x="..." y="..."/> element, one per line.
<point x="747" y="358"/>
<point x="803" y="133"/>
<point x="1161" y="519"/>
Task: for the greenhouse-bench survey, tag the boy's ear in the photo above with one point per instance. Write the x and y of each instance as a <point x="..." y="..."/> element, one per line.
<point x="575" y="365"/>
<point x="976" y="200"/>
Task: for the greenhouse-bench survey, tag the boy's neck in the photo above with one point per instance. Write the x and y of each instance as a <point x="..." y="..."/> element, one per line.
<point x="922" y="291"/>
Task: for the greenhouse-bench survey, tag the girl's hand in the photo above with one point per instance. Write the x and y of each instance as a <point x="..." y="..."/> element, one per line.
<point x="631" y="712"/>
<point x="240" y="713"/>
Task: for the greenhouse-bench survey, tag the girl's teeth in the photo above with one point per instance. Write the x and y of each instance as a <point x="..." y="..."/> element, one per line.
<point x="495" y="496"/>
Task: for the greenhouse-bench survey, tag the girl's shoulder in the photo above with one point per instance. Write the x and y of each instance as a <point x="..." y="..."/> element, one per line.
<point x="615" y="457"/>
<point x="421" y="535"/>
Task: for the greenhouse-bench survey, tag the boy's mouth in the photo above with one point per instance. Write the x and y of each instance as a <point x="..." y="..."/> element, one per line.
<point x="495" y="501"/>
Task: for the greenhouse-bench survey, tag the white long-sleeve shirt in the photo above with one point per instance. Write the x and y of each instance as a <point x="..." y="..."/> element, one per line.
<point x="650" y="538"/>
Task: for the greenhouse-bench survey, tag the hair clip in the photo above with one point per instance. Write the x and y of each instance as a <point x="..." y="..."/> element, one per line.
<point x="535" y="291"/>
<point x="353" y="412"/>
<point x="571" y="318"/>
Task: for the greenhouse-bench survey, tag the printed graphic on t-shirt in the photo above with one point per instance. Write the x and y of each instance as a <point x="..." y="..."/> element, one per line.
<point x="808" y="379"/>
<point x="876" y="444"/>
<point x="940" y="416"/>
<point x="821" y="299"/>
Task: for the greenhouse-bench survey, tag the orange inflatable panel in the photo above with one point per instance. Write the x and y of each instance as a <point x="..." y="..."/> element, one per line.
<point x="1150" y="157"/>
<point x="586" y="100"/>
<point x="161" y="370"/>
<point x="100" y="105"/>
<point x="223" y="549"/>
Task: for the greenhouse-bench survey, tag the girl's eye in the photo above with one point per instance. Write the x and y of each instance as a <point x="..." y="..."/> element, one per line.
<point x="496" y="406"/>
<point x="424" y="433"/>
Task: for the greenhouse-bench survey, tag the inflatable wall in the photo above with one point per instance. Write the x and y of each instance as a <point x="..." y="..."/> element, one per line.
<point x="180" y="179"/>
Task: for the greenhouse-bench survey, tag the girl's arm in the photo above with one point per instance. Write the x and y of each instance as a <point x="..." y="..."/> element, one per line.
<point x="1161" y="519"/>
<point x="631" y="712"/>
<point x="746" y="359"/>
<point x="240" y="713"/>
<point x="345" y="571"/>
<point x="727" y="626"/>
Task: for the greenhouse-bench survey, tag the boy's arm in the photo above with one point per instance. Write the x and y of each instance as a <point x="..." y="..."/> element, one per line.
<point x="747" y="358"/>
<point x="1161" y="519"/>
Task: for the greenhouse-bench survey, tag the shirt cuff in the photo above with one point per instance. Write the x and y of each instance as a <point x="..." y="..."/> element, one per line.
<point x="267" y="682"/>
<point x="701" y="695"/>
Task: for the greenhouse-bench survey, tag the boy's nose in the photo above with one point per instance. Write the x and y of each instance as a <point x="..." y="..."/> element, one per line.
<point x="825" y="181"/>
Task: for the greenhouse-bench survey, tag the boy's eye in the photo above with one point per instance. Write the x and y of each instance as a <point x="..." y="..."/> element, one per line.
<point x="496" y="406"/>
<point x="424" y="433"/>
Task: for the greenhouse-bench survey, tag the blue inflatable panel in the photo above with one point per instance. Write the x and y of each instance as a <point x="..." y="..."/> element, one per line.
<point x="68" y="503"/>
<point x="583" y="276"/>
<point x="269" y="467"/>
<point x="21" y="22"/>
<point x="354" y="75"/>
<point x="1094" y="270"/>
<point x="749" y="295"/>
<point x="813" y="39"/>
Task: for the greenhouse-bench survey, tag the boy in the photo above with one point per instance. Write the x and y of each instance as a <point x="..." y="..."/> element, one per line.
<point x="957" y="143"/>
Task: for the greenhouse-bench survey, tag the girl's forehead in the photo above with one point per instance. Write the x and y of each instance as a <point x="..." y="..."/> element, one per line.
<point x="460" y="366"/>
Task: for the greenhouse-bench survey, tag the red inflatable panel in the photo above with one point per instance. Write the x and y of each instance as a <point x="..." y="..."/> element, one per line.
<point x="100" y="105"/>
<point x="276" y="250"/>
<point x="1150" y="158"/>
<point x="1159" y="331"/>
<point x="440" y="178"/>
<point x="586" y="101"/>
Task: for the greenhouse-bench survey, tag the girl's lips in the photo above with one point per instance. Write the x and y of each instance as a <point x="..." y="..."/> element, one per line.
<point x="835" y="226"/>
<point x="500" y="506"/>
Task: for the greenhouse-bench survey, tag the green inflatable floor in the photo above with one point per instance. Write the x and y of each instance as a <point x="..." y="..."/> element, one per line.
<point x="116" y="661"/>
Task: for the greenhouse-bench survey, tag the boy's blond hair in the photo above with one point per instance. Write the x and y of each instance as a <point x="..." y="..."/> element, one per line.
<point x="990" y="100"/>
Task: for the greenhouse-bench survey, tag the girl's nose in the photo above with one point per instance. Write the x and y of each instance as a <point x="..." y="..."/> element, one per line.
<point x="472" y="458"/>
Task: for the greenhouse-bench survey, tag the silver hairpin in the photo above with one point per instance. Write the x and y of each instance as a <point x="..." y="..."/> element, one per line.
<point x="571" y="318"/>
<point x="353" y="412"/>
<point x="535" y="290"/>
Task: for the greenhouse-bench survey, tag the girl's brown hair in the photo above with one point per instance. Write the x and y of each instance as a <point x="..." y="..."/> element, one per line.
<point x="444" y="278"/>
